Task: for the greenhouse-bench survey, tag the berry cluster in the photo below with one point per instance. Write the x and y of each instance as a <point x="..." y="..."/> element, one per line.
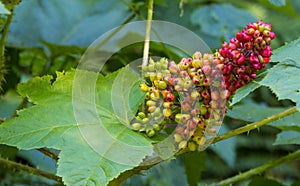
<point x="182" y="95"/>
<point x="245" y="54"/>
<point x="192" y="95"/>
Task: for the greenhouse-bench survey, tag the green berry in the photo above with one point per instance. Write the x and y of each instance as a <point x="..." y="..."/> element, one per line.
<point x="182" y="144"/>
<point x="144" y="87"/>
<point x="167" y="112"/>
<point x="142" y="115"/>
<point x="150" y="103"/>
<point x="136" y="126"/>
<point x="192" y="146"/>
<point x="177" y="138"/>
<point x="162" y="85"/>
<point x="145" y="120"/>
<point x="150" y="133"/>
<point x="157" y="127"/>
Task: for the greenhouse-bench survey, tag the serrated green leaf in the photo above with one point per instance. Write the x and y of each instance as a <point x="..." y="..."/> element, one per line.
<point x="194" y="164"/>
<point x="287" y="137"/>
<point x="52" y="123"/>
<point x="221" y="19"/>
<point x="278" y="2"/>
<point x="283" y="79"/>
<point x="244" y="91"/>
<point x="3" y="9"/>
<point x="261" y="181"/>
<point x="251" y="112"/>
<point x="288" y="51"/>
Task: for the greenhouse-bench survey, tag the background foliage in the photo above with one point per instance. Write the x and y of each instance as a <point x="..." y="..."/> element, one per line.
<point x="47" y="36"/>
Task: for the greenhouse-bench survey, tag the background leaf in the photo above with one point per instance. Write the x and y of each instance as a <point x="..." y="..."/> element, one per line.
<point x="194" y="163"/>
<point x="226" y="149"/>
<point x="64" y="22"/>
<point x="277" y="2"/>
<point x="221" y="19"/>
<point x="261" y="181"/>
<point x="3" y="9"/>
<point x="288" y="137"/>
<point x="48" y="125"/>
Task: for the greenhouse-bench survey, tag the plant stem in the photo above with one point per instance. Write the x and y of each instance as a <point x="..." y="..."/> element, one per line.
<point x="5" y="30"/>
<point x="31" y="170"/>
<point x="148" y="31"/>
<point x="49" y="153"/>
<point x="255" y="125"/>
<point x="293" y="156"/>
<point x="123" y="176"/>
<point x="4" y="33"/>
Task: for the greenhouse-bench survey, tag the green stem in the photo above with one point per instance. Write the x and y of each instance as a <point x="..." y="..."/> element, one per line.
<point x="49" y="153"/>
<point x="127" y="174"/>
<point x="293" y="156"/>
<point x="5" y="30"/>
<point x="4" y="34"/>
<point x="31" y="170"/>
<point x="255" y="125"/>
<point x="148" y="31"/>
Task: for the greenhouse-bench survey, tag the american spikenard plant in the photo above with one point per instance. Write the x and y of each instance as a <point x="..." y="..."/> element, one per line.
<point x="189" y="94"/>
<point x="184" y="99"/>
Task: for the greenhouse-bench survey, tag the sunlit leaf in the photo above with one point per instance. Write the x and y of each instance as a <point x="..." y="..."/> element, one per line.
<point x="51" y="123"/>
<point x="283" y="79"/>
<point x="288" y="51"/>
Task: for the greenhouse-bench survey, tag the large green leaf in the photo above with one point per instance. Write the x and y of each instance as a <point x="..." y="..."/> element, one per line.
<point x="52" y="123"/>
<point x="194" y="164"/>
<point x="64" y="22"/>
<point x="283" y="79"/>
<point x="251" y="112"/>
<point x="244" y="91"/>
<point x="288" y="51"/>
<point x="288" y="137"/>
<point x="221" y="19"/>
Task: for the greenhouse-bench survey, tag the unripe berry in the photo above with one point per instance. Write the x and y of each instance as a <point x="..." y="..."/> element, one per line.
<point x="203" y="110"/>
<point x="144" y="87"/>
<point x="162" y="85"/>
<point x="192" y="146"/>
<point x="136" y="126"/>
<point x="150" y="133"/>
<point x="195" y="95"/>
<point x="150" y="103"/>
<point x="142" y="115"/>
<point x="151" y="109"/>
<point x="197" y="55"/>
<point x="167" y="112"/>
<point x="145" y="120"/>
<point x="177" y="138"/>
<point x="182" y="144"/>
<point x="250" y="31"/>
